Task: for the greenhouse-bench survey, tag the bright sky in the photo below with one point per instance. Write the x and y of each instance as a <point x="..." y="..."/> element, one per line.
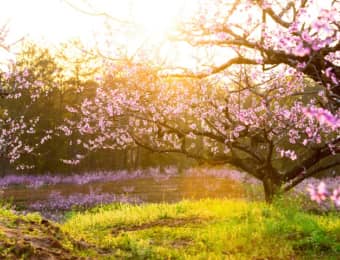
<point x="43" y="20"/>
<point x="54" y="21"/>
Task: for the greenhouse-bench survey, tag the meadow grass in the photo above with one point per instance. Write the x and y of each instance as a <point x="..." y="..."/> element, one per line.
<point x="207" y="229"/>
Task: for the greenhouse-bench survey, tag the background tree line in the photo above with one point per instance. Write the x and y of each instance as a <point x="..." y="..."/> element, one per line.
<point x="58" y="80"/>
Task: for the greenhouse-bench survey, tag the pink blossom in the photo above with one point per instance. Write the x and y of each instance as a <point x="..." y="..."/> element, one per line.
<point x="319" y="193"/>
<point x="25" y="73"/>
<point x="335" y="197"/>
<point x="323" y="116"/>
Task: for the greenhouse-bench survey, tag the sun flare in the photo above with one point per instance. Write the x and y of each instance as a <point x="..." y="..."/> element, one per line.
<point x="156" y="16"/>
<point x="146" y="23"/>
<point x="152" y="19"/>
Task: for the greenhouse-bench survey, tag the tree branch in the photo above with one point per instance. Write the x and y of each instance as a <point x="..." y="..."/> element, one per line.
<point x="309" y="174"/>
<point x="215" y="70"/>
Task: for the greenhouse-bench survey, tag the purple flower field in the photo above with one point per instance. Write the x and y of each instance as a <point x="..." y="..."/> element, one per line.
<point x="211" y="179"/>
<point x="33" y="181"/>
<point x="57" y="202"/>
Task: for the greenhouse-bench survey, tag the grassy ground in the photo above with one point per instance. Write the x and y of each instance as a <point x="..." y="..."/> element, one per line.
<point x="206" y="229"/>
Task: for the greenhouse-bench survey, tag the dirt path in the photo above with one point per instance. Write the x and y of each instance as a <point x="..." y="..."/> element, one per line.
<point x="168" y="222"/>
<point x="35" y="239"/>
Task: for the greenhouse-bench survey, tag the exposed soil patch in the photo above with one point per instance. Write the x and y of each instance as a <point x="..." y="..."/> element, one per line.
<point x="23" y="239"/>
<point x="183" y="242"/>
<point x="166" y="222"/>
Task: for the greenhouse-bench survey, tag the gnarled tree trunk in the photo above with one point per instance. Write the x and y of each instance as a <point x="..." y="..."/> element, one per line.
<point x="271" y="188"/>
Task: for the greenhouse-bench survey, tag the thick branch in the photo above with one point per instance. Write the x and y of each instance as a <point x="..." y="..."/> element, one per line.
<point x="181" y="150"/>
<point x="214" y="70"/>
<point x="310" y="174"/>
<point x="313" y="159"/>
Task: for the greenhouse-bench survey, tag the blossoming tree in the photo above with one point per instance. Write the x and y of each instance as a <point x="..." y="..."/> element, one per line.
<point x="271" y="108"/>
<point x="262" y="129"/>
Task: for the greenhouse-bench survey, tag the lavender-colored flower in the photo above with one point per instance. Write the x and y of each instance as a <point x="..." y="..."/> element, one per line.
<point x="58" y="202"/>
<point x="33" y="181"/>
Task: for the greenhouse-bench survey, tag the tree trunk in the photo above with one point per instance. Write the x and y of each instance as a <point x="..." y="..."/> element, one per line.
<point x="271" y="188"/>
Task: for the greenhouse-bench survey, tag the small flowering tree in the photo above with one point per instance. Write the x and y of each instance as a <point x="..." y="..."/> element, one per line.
<point x="17" y="128"/>
<point x="13" y="126"/>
